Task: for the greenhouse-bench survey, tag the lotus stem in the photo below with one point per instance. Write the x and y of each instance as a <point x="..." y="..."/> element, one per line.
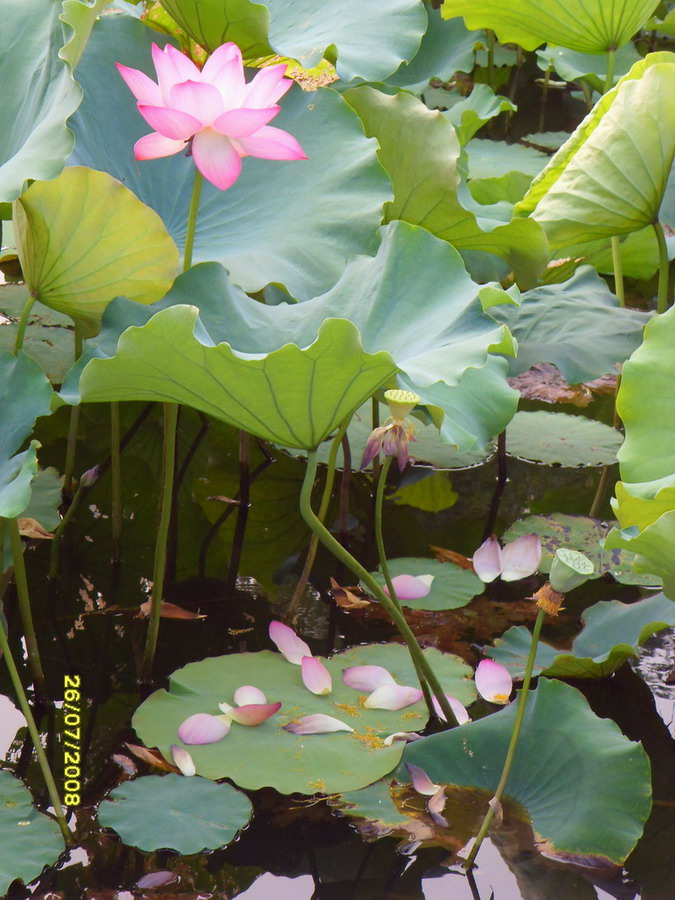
<point x="323" y="509"/>
<point x="192" y="219"/>
<point x="23" y="598"/>
<point x="116" y="476"/>
<point x="611" y="64"/>
<point x="63" y="524"/>
<point x="376" y="424"/>
<point x="71" y="446"/>
<point x="490" y="56"/>
<point x="600" y="492"/>
<point x="23" y="322"/>
<point x="242" y="511"/>
<point x="544" y="97"/>
<point x="513" y="744"/>
<point x="617" y="265"/>
<point x="354" y="566"/>
<point x="664" y="300"/>
<point x="35" y="735"/>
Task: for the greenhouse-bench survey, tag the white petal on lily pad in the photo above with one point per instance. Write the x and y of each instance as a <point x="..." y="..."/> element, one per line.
<point x="521" y="558"/>
<point x="393" y="697"/>
<point x="248" y="694"/>
<point x="183" y="760"/>
<point x="317" y="724"/>
<point x="407" y="736"/>
<point x="366" y="678"/>
<point x="426" y="579"/>
<point x="493" y="682"/>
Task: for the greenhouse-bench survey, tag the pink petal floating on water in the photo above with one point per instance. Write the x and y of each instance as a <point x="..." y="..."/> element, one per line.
<point x="316" y="676"/>
<point x="393" y="696"/>
<point x="253" y="713"/>
<point x="435" y="807"/>
<point x="183" y="760"/>
<point x="288" y="643"/>
<point x="421" y="781"/>
<point x="366" y="678"/>
<point x="248" y="694"/>
<point x="458" y="708"/>
<point x="317" y="724"/>
<point x="156" y="879"/>
<point x="487" y="560"/>
<point x="521" y="558"/>
<point x="408" y="587"/>
<point x="202" y="728"/>
<point x="493" y="682"/>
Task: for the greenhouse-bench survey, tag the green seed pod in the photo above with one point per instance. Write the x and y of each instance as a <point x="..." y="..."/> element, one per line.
<point x="570" y="569"/>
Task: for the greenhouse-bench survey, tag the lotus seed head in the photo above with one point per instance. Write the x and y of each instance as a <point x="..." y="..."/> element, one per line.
<point x="401" y="403"/>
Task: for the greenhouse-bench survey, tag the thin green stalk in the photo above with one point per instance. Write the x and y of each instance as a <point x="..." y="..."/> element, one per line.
<point x="23" y="322"/>
<point x="375" y="410"/>
<point x="544" y="97"/>
<point x="588" y="95"/>
<point x="611" y="63"/>
<point x="159" y="568"/>
<point x="58" y="533"/>
<point x="515" y="734"/>
<point x="384" y="565"/>
<point x="618" y="271"/>
<point x="192" y="219"/>
<point x="323" y="509"/>
<point x="664" y="300"/>
<point x="71" y="447"/>
<point x="35" y="735"/>
<point x="490" y="56"/>
<point x="348" y="560"/>
<point x="116" y="478"/>
<point x="23" y="597"/>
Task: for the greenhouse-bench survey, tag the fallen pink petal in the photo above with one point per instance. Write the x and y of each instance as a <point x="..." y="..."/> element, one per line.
<point x="408" y="587"/>
<point x="183" y="760"/>
<point x="366" y="678"/>
<point x="202" y="728"/>
<point x="393" y="697"/>
<point x="253" y="713"/>
<point x="247" y="694"/>
<point x="288" y="643"/>
<point x="487" y="560"/>
<point x="407" y="737"/>
<point x="521" y="558"/>
<point x="493" y="682"/>
<point x="458" y="708"/>
<point x="435" y="807"/>
<point x="421" y="781"/>
<point x="317" y="724"/>
<point x="316" y="676"/>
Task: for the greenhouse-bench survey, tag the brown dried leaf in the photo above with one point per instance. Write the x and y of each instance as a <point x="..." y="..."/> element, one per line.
<point x="152" y="757"/>
<point x="31" y="528"/>
<point x="349" y="597"/>
<point x="443" y="555"/>
<point x="170" y="611"/>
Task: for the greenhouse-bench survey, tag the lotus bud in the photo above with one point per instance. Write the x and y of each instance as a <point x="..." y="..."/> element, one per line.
<point x="90" y="477"/>
<point x="316" y="676"/>
<point x="493" y="682"/>
<point x="183" y="760"/>
<point x="569" y="569"/>
<point x="401" y="403"/>
<point x="409" y="587"/>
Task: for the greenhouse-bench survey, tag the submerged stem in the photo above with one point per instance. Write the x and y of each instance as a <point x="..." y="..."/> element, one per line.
<point x="23" y="597"/>
<point x="513" y="744"/>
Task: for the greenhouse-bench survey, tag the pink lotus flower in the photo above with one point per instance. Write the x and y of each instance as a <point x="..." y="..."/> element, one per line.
<point x="317" y="724"/>
<point x="493" y="682"/>
<point x="518" y="559"/>
<point x="288" y="643"/>
<point x="214" y="110"/>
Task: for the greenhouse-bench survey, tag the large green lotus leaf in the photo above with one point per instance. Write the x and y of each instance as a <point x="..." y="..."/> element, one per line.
<point x="49" y="334"/>
<point x="447" y="47"/>
<point x="576" y="325"/>
<point x="584" y="785"/>
<point x="84" y="238"/>
<point x="177" y="813"/>
<point x="665" y="25"/>
<point x="38" y="90"/>
<point x="420" y="150"/>
<point x="612" y="633"/>
<point x="369" y="40"/>
<point x="46" y="498"/>
<point x="616" y="180"/>
<point x="646" y="404"/>
<point x="452" y="587"/>
<point x="29" y="839"/>
<point x="559" y="162"/>
<point x="640" y="505"/>
<point x="559" y="439"/>
<point x="25" y="394"/>
<point x="572" y="65"/>
<point x="269" y="226"/>
<point x="266" y="755"/>
<point x="16" y="475"/>
<point x="590" y="26"/>
<point x="490" y="159"/>
<point x="431" y="493"/>
<point x="583" y="534"/>
<point x="443" y="355"/>
<point x="469" y="114"/>
<point x="653" y="547"/>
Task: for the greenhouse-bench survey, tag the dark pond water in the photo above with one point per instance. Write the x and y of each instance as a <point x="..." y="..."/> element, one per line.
<point x="293" y="849"/>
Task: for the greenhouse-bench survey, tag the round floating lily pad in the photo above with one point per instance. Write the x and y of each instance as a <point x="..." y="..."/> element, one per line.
<point x="585" y="535"/>
<point x="559" y="439"/>
<point x="451" y="587"/>
<point x="265" y="755"/>
<point x="29" y="840"/>
<point x="170" y="811"/>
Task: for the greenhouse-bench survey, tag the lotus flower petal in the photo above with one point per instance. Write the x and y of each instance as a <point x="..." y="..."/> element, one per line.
<point x="458" y="708"/>
<point x="172" y="123"/>
<point x="407" y="736"/>
<point x="317" y="724"/>
<point x="487" y="560"/>
<point x="241" y="123"/>
<point x="183" y="760"/>
<point x="367" y="678"/>
<point x="203" y="101"/>
<point x="268" y="86"/>
<point x="421" y="781"/>
<point x="143" y="88"/>
<point x="216" y="158"/>
<point x="436" y="805"/>
<point x="272" y="143"/>
<point x="155" y="146"/>
<point x="248" y="694"/>
<point x="253" y="713"/>
<point x="408" y="587"/>
<point x="316" y="676"/>
<point x="393" y="696"/>
<point x="202" y="728"/>
<point x="172" y="67"/>
<point x="493" y="682"/>
<point x="288" y="643"/>
<point x="521" y="558"/>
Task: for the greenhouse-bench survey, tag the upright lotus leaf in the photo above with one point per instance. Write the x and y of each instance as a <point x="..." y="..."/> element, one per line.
<point x="269" y="226"/>
<point x="590" y="26"/>
<point x="653" y="547"/>
<point x="16" y="475"/>
<point x="612" y="633"/>
<point x="29" y="840"/>
<point x="592" y="67"/>
<point x="267" y="754"/>
<point x="584" y="785"/>
<point x="577" y="325"/>
<point x="84" y="238"/>
<point x="440" y="341"/>
<point x="173" y="812"/>
<point x="469" y="114"/>
<point x="616" y="180"/>
<point x="494" y="159"/>
<point x="420" y="150"/>
<point x="369" y="41"/>
<point x="452" y="587"/>
<point x="559" y="162"/>
<point x="38" y="90"/>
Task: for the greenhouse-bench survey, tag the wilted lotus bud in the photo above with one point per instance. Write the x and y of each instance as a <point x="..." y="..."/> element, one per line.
<point x="394" y="436"/>
<point x="401" y="403"/>
<point x="90" y="477"/>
